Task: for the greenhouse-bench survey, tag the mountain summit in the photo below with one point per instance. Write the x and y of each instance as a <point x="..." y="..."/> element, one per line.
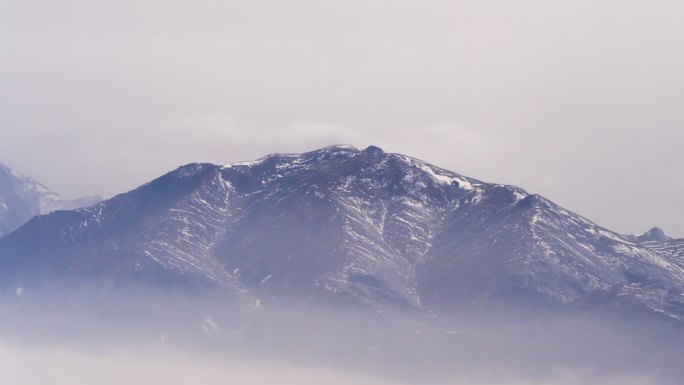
<point x="346" y="225"/>
<point x="654" y="234"/>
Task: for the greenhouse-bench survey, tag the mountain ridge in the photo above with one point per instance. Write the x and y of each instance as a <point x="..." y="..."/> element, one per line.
<point x="358" y="226"/>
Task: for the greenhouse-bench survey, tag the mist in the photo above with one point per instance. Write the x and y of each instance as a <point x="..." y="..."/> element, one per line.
<point x="578" y="101"/>
<point x="177" y="339"/>
<point x="55" y="366"/>
<point x="43" y="366"/>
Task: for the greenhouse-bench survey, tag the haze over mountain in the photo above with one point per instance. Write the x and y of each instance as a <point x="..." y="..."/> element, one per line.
<point x="343" y="225"/>
<point x="23" y="197"/>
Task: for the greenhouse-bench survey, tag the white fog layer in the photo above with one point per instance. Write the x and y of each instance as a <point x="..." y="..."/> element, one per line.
<point x="177" y="340"/>
<point x="62" y="367"/>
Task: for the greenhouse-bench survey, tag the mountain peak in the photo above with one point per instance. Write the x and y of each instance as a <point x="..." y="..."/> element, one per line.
<point x="373" y="150"/>
<point x="22" y="197"/>
<point x="10" y="173"/>
<point x="654" y="234"/>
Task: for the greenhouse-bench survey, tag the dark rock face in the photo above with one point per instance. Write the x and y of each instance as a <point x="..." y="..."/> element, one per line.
<point x="22" y="198"/>
<point x="354" y="226"/>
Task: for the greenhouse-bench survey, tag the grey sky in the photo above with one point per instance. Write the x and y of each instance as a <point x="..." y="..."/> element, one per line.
<point x="580" y="101"/>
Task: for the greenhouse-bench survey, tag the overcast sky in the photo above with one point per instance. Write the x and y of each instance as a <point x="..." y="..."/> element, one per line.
<point x="581" y="101"/>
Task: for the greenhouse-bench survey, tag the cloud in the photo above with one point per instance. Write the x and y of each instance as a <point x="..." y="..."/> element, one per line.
<point x="60" y="366"/>
<point x="176" y="339"/>
<point x="65" y="367"/>
<point x="574" y="101"/>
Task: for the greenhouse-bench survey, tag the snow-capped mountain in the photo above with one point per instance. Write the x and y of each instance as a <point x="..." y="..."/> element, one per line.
<point x="22" y="197"/>
<point x="356" y="226"/>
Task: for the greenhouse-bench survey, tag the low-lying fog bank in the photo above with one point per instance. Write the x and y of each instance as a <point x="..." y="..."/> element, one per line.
<point x="39" y="366"/>
<point x="181" y="339"/>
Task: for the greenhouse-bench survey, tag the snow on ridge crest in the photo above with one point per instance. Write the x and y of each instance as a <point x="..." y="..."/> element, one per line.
<point x="446" y="179"/>
<point x="251" y="163"/>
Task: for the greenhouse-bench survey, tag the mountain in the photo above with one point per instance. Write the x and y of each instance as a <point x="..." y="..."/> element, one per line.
<point x="343" y="225"/>
<point x="22" y="198"/>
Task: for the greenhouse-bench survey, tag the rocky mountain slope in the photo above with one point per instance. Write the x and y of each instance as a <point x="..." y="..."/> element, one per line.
<point x="349" y="226"/>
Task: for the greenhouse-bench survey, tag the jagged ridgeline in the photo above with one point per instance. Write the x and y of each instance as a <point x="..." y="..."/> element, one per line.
<point x="343" y="225"/>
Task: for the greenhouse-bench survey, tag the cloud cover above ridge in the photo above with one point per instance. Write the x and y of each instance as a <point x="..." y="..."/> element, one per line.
<point x="578" y="102"/>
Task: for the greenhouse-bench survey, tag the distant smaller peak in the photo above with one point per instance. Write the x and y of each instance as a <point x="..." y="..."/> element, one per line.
<point x="7" y="169"/>
<point x="10" y="172"/>
<point x="654" y="234"/>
